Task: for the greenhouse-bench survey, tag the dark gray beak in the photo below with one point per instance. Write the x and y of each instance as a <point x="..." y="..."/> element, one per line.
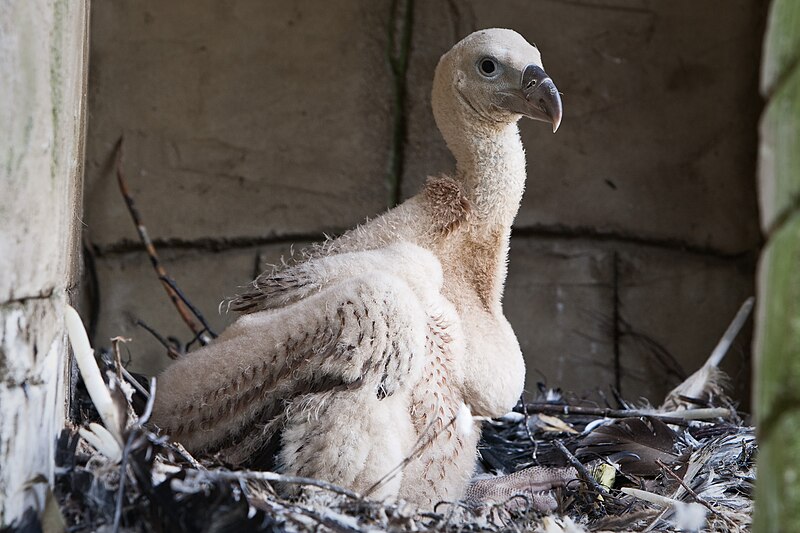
<point x="541" y="98"/>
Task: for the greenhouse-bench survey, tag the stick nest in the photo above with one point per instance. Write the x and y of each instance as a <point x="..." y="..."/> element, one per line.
<point x="690" y="476"/>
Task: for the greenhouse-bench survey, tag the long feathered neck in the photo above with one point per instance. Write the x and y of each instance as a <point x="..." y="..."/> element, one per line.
<point x="490" y="160"/>
<point x="490" y="163"/>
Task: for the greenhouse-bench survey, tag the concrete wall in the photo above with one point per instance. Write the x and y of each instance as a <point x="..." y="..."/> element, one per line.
<point x="777" y="347"/>
<point x="250" y="125"/>
<point x="43" y="51"/>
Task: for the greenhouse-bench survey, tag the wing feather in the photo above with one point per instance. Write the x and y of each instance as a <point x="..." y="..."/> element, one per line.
<point x="363" y="332"/>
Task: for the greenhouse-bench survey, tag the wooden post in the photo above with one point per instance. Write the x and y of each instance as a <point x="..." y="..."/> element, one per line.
<point x="777" y="345"/>
<point x="43" y="58"/>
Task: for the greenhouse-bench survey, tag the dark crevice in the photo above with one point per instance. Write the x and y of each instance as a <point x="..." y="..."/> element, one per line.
<point x="607" y="7"/>
<point x="400" y="25"/>
<point x="554" y="232"/>
<point x="44" y="294"/>
<point x="559" y="231"/>
<point x="207" y="244"/>
<point x="92" y="290"/>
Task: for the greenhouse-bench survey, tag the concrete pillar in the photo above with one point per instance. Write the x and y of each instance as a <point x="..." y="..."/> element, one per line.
<point x="43" y="54"/>
<point x="777" y="346"/>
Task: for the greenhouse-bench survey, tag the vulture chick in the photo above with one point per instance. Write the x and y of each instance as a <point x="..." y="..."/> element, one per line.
<point x="378" y="349"/>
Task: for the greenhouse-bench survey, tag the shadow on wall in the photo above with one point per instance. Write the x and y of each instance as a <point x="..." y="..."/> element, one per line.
<point x="251" y="126"/>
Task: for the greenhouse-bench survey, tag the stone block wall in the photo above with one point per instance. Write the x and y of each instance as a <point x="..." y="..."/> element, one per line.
<point x="253" y="125"/>
<point x="43" y="52"/>
<point x="777" y="347"/>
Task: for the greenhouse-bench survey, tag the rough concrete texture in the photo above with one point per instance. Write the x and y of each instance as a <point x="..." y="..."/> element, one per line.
<point x="207" y="278"/>
<point x="41" y="68"/>
<point x="592" y="316"/>
<point x="779" y="156"/>
<point x="558" y="298"/>
<point x="777" y="345"/>
<point x="33" y="359"/>
<point x="258" y="120"/>
<point x="660" y="109"/>
<point x="673" y="309"/>
<point x="255" y="119"/>
<point x="43" y="46"/>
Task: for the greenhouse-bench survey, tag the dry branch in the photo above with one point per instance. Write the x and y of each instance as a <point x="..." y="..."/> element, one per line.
<point x="202" y="333"/>
<point x="582" y="471"/>
<point x="678" y="418"/>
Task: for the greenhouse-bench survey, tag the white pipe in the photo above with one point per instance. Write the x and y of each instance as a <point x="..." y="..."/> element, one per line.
<point x="84" y="356"/>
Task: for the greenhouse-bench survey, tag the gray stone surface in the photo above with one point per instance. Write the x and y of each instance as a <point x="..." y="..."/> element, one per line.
<point x="679" y="304"/>
<point x="660" y="111"/>
<point x="671" y="305"/>
<point x="559" y="299"/>
<point x="251" y="118"/>
<point x="41" y="148"/>
<point x="130" y="291"/>
<point x="42" y="72"/>
<point x="256" y="120"/>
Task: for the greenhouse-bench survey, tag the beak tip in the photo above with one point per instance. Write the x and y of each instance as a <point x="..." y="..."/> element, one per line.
<point x="556" y="123"/>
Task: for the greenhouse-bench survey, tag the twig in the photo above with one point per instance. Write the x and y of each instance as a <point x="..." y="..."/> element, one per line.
<point x="535" y="453"/>
<point x="123" y="467"/>
<point x="658" y="518"/>
<point x="677" y="418"/>
<point x="117" y="357"/>
<point x="280" y="478"/>
<point x="148" y="410"/>
<point x="151" y="250"/>
<point x="151" y="399"/>
<point x="702" y="501"/>
<point x="172" y="353"/>
<point x="571" y="459"/>
<point x="730" y="334"/>
<point x="329" y="520"/>
<point x="195" y="311"/>
<point x="177" y="446"/>
<point x="704" y="413"/>
<point x="136" y="385"/>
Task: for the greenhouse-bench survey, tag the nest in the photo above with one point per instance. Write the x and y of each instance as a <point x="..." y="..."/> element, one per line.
<point x="641" y="470"/>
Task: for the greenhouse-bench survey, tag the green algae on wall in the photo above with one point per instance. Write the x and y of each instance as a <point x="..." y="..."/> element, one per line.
<point x="777" y="346"/>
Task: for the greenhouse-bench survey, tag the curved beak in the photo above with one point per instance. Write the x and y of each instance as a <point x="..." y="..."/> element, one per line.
<point x="537" y="97"/>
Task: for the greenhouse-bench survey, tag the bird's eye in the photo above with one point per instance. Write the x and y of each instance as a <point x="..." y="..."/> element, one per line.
<point x="488" y="67"/>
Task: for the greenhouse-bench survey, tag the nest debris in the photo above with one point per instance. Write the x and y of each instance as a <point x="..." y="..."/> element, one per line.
<point x="646" y="475"/>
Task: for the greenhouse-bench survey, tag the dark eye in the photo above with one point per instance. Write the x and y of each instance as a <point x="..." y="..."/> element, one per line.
<point x="487" y="67"/>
